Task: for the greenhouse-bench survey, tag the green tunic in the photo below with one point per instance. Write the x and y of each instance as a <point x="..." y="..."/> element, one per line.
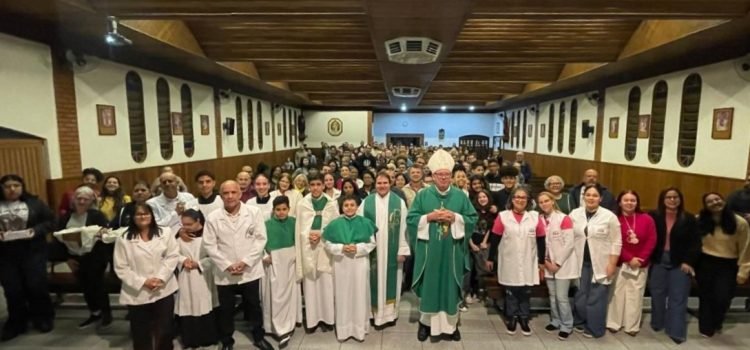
<point x="318" y="205"/>
<point x="280" y="233"/>
<point x="440" y="262"/>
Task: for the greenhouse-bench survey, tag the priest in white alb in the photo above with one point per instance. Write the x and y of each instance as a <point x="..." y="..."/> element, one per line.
<point x="388" y="212"/>
<point x="439" y="218"/>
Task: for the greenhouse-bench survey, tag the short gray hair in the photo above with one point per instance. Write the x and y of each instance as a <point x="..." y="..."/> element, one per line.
<point x="551" y="178"/>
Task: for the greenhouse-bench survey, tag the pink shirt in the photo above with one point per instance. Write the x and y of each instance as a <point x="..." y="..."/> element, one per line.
<point x="645" y="233"/>
<point x="498" y="228"/>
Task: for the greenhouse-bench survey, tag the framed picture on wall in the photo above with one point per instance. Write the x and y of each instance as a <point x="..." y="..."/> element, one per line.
<point x="614" y="127"/>
<point x="176" y="123"/>
<point x="529" y="132"/>
<point x="542" y="130"/>
<point x="335" y="127"/>
<point x="278" y="129"/>
<point x="722" y="123"/>
<point x="644" y="126"/>
<point x="267" y="127"/>
<point x="205" y="125"/>
<point x="105" y="116"/>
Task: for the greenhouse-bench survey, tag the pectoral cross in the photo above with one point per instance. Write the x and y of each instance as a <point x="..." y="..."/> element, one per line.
<point x="445" y="227"/>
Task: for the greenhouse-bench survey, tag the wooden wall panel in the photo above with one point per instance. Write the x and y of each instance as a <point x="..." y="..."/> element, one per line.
<point x="27" y="159"/>
<point x="617" y="177"/>
<point x="223" y="168"/>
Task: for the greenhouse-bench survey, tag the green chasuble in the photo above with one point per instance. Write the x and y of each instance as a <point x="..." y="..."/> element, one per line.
<point x="349" y="230"/>
<point x="440" y="262"/>
<point x="394" y="227"/>
<point x="318" y="205"/>
<point x="280" y="233"/>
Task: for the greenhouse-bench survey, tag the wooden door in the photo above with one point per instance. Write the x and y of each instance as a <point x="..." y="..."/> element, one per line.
<point x="26" y="158"/>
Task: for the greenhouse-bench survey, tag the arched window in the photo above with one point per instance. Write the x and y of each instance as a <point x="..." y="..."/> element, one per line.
<point x="550" y="127"/>
<point x="284" y="131"/>
<point x="260" y="126"/>
<point x="561" y="129"/>
<point x="573" y="126"/>
<point x="240" y="124"/>
<point x="136" y="116"/>
<point x="691" y="100"/>
<point x="631" y="131"/>
<point x="250" y="125"/>
<point x="523" y="130"/>
<point x="165" y="123"/>
<point x="658" y="113"/>
<point x="188" y="141"/>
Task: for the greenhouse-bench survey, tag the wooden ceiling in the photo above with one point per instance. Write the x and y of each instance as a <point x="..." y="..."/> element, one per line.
<point x="332" y="51"/>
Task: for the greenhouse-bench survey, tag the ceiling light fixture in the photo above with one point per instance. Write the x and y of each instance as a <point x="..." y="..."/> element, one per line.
<point x="471" y="108"/>
<point x="113" y="38"/>
<point x="403" y="107"/>
<point x="443" y="108"/>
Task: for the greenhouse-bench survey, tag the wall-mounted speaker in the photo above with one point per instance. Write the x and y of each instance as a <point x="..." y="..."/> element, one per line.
<point x="586" y="129"/>
<point x="228" y="126"/>
<point x="742" y="67"/>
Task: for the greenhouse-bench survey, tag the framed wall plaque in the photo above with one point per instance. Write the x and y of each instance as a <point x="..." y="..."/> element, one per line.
<point x="105" y="116"/>
<point x="614" y="127"/>
<point x="722" y="123"/>
<point x="205" y="125"/>
<point x="176" y="123"/>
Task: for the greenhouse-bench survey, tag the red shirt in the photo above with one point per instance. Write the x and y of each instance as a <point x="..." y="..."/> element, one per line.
<point x="645" y="237"/>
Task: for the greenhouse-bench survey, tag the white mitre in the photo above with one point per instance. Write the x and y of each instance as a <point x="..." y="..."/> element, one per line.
<point x="440" y="160"/>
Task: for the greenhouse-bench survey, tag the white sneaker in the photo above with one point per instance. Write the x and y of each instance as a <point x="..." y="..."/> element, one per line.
<point x="470" y="300"/>
<point x="463" y="307"/>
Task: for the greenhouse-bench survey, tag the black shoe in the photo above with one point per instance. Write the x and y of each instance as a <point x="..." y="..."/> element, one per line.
<point x="525" y="329"/>
<point x="44" y="326"/>
<point x="456" y="336"/>
<point x="551" y="329"/>
<point x="563" y="335"/>
<point x="106" y="321"/>
<point x="227" y="346"/>
<point x="10" y="332"/>
<point x="511" y="326"/>
<point x="262" y="344"/>
<point x="89" y="321"/>
<point x="677" y="341"/>
<point x="284" y="341"/>
<point x="423" y="332"/>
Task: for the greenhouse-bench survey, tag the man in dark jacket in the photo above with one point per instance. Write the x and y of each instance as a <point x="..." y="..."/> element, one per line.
<point x="591" y="178"/>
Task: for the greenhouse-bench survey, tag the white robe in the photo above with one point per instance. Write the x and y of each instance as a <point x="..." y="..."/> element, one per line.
<point x="210" y="207"/>
<point x="352" y="290"/>
<point x="197" y="294"/>
<point x="164" y="209"/>
<point x="314" y="264"/>
<point x="387" y="312"/>
<point x="265" y="209"/>
<point x="294" y="198"/>
<point x="281" y="294"/>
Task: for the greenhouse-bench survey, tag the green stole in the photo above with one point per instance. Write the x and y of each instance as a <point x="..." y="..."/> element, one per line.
<point x="280" y="233"/>
<point x="394" y="228"/>
<point x="318" y="205"/>
<point x="349" y="230"/>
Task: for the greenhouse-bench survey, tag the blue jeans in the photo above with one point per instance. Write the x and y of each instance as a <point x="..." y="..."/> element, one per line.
<point x="670" y="289"/>
<point x="561" y="314"/>
<point x="591" y="303"/>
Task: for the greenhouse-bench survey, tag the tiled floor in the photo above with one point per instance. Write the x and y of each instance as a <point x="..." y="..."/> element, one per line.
<point x="481" y="329"/>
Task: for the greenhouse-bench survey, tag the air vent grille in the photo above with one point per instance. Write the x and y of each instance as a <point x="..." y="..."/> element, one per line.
<point x="413" y="50"/>
<point x="406" y="91"/>
<point x="394" y="47"/>
<point x="413" y="45"/>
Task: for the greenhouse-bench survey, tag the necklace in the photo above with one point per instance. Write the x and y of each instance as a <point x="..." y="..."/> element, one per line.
<point x="632" y="237"/>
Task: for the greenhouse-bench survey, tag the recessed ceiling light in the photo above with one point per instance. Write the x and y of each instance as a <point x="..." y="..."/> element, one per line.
<point x="403" y="107"/>
<point x="443" y="108"/>
<point x="471" y="108"/>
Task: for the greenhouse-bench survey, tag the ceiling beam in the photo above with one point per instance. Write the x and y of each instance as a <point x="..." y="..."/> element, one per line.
<point x="173" y="32"/>
<point x="654" y="33"/>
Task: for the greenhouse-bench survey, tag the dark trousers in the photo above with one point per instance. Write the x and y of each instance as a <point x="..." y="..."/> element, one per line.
<point x="152" y="325"/>
<point x="23" y="275"/>
<point x="591" y="301"/>
<point x="250" y="292"/>
<point x="670" y="289"/>
<point x="717" y="280"/>
<point x="518" y="302"/>
<point x="408" y="274"/>
<point x="90" y="275"/>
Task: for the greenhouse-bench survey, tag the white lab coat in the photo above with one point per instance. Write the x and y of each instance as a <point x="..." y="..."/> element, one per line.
<point x="197" y="295"/>
<point x="164" y="209"/>
<point x="136" y="261"/>
<point x="517" y="258"/>
<point x="561" y="248"/>
<point x="604" y="239"/>
<point x="228" y="241"/>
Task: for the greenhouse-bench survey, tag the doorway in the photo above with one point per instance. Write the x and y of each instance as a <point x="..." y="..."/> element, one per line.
<point x="404" y="139"/>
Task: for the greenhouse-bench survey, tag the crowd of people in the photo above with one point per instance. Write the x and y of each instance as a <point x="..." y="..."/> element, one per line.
<point x="346" y="232"/>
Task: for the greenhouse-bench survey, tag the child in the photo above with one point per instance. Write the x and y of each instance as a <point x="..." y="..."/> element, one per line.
<point x="197" y="296"/>
<point x="350" y="239"/>
<point x="282" y="302"/>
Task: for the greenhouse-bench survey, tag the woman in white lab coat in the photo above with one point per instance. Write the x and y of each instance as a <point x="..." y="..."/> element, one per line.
<point x="145" y="259"/>
<point x="561" y="266"/>
<point x="197" y="297"/>
<point x="598" y="250"/>
<point x="517" y="246"/>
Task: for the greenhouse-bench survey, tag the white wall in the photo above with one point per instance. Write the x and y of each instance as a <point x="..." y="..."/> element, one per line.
<point x="106" y="85"/>
<point x="722" y="87"/>
<point x="354" y="129"/>
<point x="584" y="148"/>
<point x="280" y="120"/>
<point x="27" y="101"/>
<point x="429" y="124"/>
